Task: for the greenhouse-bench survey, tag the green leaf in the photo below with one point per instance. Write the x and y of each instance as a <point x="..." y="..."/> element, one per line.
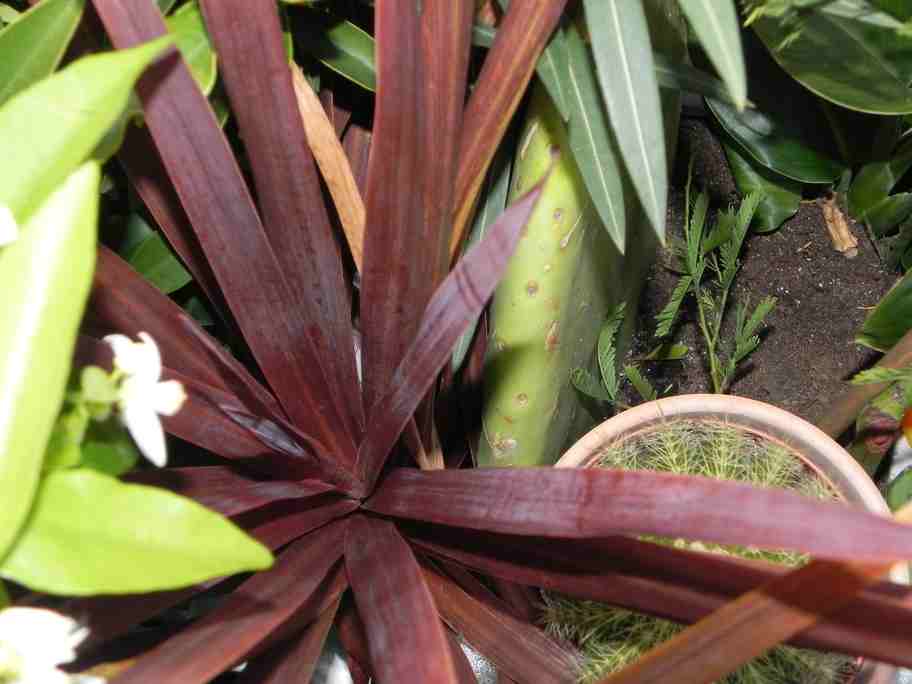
<point x="879" y="375"/>
<point x="847" y="53"/>
<point x="45" y="278"/>
<point x="715" y="22"/>
<point x="585" y="382"/>
<point x="623" y="57"/>
<point x="154" y="260"/>
<point x="8" y="15"/>
<point x="643" y="387"/>
<point x="32" y="47"/>
<point x="90" y="534"/>
<point x="890" y="319"/>
<point x="899" y="491"/>
<point x="889" y="213"/>
<point x="551" y="68"/>
<point x="674" y="75"/>
<point x="165" y="6"/>
<point x="339" y="44"/>
<point x="666" y="317"/>
<point x="591" y="140"/>
<point x="63" y="449"/>
<point x="781" y="196"/>
<point x="97" y="386"/>
<point x="50" y="128"/>
<point x="607" y="349"/>
<point x="667" y="352"/>
<point x="192" y="39"/>
<point x="874" y="182"/>
<point x="108" y="449"/>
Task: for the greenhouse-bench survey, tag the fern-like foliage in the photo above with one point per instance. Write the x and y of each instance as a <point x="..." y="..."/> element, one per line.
<point x="643" y="387"/>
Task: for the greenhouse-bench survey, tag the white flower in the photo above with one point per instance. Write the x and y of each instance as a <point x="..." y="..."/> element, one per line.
<point x="9" y="229"/>
<point x="33" y="642"/>
<point x="143" y="398"/>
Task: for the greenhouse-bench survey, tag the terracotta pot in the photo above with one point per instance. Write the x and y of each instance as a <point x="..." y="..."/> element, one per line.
<point x="823" y="455"/>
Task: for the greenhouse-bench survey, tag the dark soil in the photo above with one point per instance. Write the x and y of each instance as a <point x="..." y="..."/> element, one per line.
<point x="808" y="349"/>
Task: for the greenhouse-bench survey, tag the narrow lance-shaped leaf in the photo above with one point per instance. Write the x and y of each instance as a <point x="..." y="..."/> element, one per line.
<point x="716" y="24"/>
<point x="626" y="70"/>
<point x="591" y="139"/>
<point x="191" y="38"/>
<point x="32" y="46"/>
<point x="396" y="606"/>
<point x="45" y="278"/>
<point x="593" y="503"/>
<point x="457" y="301"/>
<point x="72" y="109"/>
<point x="92" y="534"/>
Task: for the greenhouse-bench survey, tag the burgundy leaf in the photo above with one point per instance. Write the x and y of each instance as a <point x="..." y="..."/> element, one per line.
<point x="294" y="660"/>
<point x="517" y="648"/>
<point x="356" y="143"/>
<point x="123" y="301"/>
<point x="597" y="502"/>
<point x="150" y="179"/>
<point x="254" y="610"/>
<point x="445" y="40"/>
<point x="284" y="521"/>
<point x="227" y="490"/>
<point x="507" y="70"/>
<point x="206" y="177"/>
<point x="458" y="300"/>
<point x="353" y="638"/>
<point x="464" y="672"/>
<point x="684" y="585"/>
<point x="395" y="285"/>
<point x="406" y="640"/>
<point x="254" y="65"/>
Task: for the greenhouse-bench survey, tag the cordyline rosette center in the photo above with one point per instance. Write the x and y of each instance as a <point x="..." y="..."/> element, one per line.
<point x="318" y="465"/>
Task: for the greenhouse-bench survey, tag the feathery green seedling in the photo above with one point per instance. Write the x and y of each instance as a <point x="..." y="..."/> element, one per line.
<point x="611" y="638"/>
<point x="715" y="252"/>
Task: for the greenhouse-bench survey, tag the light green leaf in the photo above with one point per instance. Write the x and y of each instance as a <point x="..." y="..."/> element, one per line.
<point x="192" y="39"/>
<point x="781" y="195"/>
<point x="32" y="47"/>
<point x="8" y="14"/>
<point x="847" y="53"/>
<point x="339" y="44"/>
<point x="585" y="382"/>
<point x="45" y="278"/>
<point x="50" y="128"/>
<point x="899" y="491"/>
<point x="640" y="383"/>
<point x="154" y="260"/>
<point x="90" y="534"/>
<point x="591" y="140"/>
<point x="715" y="22"/>
<point x="668" y="352"/>
<point x="623" y="57"/>
<point x="890" y="319"/>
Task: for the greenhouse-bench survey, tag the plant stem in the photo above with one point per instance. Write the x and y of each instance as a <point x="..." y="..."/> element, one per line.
<point x="710" y="341"/>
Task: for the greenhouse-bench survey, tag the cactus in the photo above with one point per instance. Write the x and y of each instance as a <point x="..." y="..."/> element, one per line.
<point x="564" y="278"/>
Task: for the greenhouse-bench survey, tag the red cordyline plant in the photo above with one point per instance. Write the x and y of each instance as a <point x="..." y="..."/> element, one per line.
<point x="320" y="466"/>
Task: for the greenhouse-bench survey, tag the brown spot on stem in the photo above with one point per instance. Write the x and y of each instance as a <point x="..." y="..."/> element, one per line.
<point x="552" y="339"/>
<point x="532" y="288"/>
<point x="522" y="399"/>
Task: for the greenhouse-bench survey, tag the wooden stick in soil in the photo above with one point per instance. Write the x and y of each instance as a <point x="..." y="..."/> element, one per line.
<point x="843" y="411"/>
<point x="749" y="626"/>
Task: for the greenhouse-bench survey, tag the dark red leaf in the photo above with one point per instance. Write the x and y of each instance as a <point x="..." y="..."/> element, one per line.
<point x="206" y="177"/>
<point x="147" y="174"/>
<point x="591" y="503"/>
<point x="507" y="70"/>
<point x="353" y="638"/>
<point x="294" y="660"/>
<point x="254" y="66"/>
<point x="672" y="583"/>
<point x="405" y="637"/>
<point x="356" y="144"/>
<point x="227" y="490"/>
<point x="284" y="521"/>
<point x="517" y="648"/>
<point x="249" y="614"/>
<point x="395" y="285"/>
<point x="458" y="300"/>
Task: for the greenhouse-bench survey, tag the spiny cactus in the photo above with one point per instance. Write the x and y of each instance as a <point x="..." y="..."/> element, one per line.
<point x="564" y="278"/>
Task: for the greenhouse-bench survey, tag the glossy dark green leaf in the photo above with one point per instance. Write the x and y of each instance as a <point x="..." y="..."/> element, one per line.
<point x="45" y="277"/>
<point x="674" y="75"/>
<point x="32" y="47"/>
<point x="873" y="183"/>
<point x="152" y="257"/>
<point x="715" y="23"/>
<point x="337" y="43"/>
<point x="781" y="196"/>
<point x="890" y="319"/>
<point x="621" y="46"/>
<point x="90" y="534"/>
<point x="900" y="9"/>
<point x="591" y="139"/>
<point x="889" y="213"/>
<point x="847" y="53"/>
<point x="786" y="131"/>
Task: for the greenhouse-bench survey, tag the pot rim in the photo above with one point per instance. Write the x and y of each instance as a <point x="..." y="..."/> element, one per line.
<point x="819" y="451"/>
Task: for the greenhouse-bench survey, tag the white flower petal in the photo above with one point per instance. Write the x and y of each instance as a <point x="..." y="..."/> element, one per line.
<point x="146" y="430"/>
<point x="9" y="229"/>
<point x="152" y="362"/>
<point x="40" y="636"/>
<point x="166" y="398"/>
<point x="136" y="359"/>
